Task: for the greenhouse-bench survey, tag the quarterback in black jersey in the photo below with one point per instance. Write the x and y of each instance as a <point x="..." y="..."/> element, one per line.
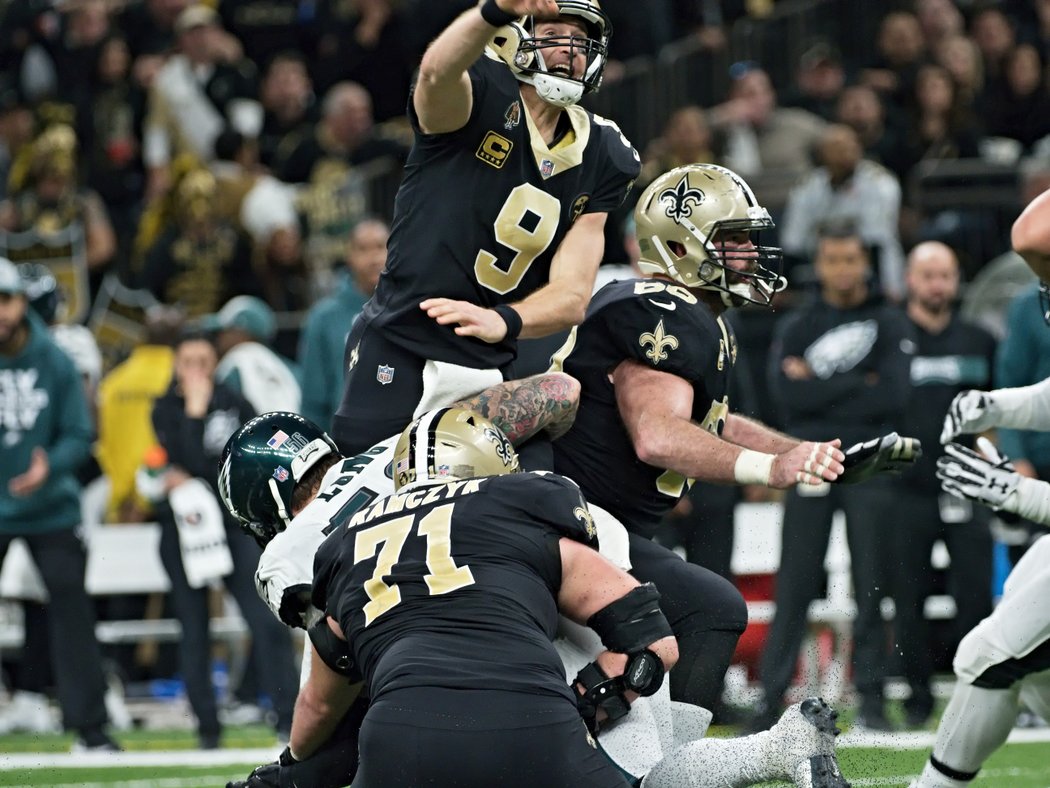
<point x="445" y="598"/>
<point x="499" y="220"/>
<point x="652" y="357"/>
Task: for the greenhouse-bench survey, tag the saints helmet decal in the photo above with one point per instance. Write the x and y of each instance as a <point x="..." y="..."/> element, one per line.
<point x="452" y="443"/>
<point x="679" y="218"/>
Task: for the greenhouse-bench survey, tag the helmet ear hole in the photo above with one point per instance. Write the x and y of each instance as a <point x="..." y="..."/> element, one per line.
<point x="677" y="248"/>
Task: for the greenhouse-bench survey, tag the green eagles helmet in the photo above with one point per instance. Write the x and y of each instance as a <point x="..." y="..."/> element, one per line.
<point x="262" y="463"/>
<point x="451" y="443"/>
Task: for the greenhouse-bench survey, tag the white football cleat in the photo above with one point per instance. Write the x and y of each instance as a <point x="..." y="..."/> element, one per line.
<point x="29" y="712"/>
<point x="805" y="744"/>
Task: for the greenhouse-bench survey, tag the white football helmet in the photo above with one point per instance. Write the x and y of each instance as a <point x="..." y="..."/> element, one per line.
<point x="517" y="46"/>
<point x="678" y="217"/>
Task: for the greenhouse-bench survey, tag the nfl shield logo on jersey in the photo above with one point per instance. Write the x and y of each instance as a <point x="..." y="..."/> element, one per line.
<point x="385" y="374"/>
<point x="546" y="168"/>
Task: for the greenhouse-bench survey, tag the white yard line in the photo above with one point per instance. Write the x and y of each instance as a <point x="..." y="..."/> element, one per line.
<point x="57" y="760"/>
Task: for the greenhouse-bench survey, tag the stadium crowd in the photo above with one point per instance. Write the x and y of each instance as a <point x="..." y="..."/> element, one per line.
<point x="198" y="199"/>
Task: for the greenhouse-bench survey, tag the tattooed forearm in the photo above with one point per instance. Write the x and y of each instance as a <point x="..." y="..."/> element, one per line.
<point x="521" y="408"/>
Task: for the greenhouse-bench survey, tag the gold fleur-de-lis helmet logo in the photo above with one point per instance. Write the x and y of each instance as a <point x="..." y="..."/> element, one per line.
<point x="679" y="200"/>
<point x="658" y="342"/>
<point x="584" y="517"/>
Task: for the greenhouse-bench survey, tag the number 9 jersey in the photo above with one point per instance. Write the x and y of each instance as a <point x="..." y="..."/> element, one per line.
<point x="481" y="211"/>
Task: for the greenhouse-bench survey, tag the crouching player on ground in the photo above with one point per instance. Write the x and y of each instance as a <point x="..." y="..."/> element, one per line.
<point x="254" y="489"/>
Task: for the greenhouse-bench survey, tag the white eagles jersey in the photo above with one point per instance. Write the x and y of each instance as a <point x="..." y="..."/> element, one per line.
<point x="286" y="568"/>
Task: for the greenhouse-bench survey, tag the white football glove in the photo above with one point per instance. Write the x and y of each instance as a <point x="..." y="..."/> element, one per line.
<point x="987" y="478"/>
<point x="971" y="411"/>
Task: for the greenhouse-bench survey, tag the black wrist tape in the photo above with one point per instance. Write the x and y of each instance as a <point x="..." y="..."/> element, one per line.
<point x="511" y="318"/>
<point x="495" y="15"/>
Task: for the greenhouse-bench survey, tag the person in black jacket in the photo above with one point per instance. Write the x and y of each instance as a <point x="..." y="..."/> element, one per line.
<point x="838" y="366"/>
<point x="952" y="355"/>
<point x="193" y="421"/>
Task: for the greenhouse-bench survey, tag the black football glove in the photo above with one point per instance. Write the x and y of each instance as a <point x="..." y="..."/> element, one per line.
<point x="889" y="454"/>
<point x="268" y="775"/>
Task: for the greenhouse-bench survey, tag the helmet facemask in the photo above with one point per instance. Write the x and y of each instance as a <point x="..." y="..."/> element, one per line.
<point x="681" y="232"/>
<point x="528" y="58"/>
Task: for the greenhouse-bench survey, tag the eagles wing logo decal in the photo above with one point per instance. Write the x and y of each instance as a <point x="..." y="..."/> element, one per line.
<point x="680" y="200"/>
<point x="656" y="342"/>
<point x="584" y="517"/>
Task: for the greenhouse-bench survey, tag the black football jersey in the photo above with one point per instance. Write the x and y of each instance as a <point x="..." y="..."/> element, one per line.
<point x="454" y="585"/>
<point x="481" y="211"/>
<point x="666" y="327"/>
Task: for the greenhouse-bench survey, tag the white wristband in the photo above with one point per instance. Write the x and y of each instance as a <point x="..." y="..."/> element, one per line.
<point x="753" y="467"/>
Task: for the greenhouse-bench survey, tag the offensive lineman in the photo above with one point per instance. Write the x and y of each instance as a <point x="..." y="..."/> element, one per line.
<point x="1005" y="658"/>
<point x="448" y="593"/>
<point x="258" y="483"/>
<point x="653" y="357"/>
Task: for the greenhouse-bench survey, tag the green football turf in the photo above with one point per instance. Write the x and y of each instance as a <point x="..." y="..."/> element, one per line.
<point x="1014" y="766"/>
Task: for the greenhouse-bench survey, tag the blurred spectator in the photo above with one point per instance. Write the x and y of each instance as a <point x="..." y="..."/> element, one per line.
<point x="49" y="204"/>
<point x="150" y="28"/>
<point x="686" y="139"/>
<point x="108" y="126"/>
<point x="961" y="57"/>
<point x="345" y="137"/>
<point x="760" y="137"/>
<point x="819" y="81"/>
<point x="901" y="49"/>
<point x="862" y="110"/>
<point x="838" y="366"/>
<point x="951" y="355"/>
<point x="16" y="129"/>
<point x="939" y="127"/>
<point x="1023" y="358"/>
<point x="639" y="35"/>
<point x="46" y="435"/>
<point x="199" y="262"/>
<point x="940" y="21"/>
<point x="125" y="402"/>
<point x="288" y="104"/>
<point x="193" y="421"/>
<point x="847" y="186"/>
<point x="197" y="92"/>
<point x="264" y="208"/>
<point x="1020" y="108"/>
<point x="367" y="43"/>
<point x="322" y="344"/>
<point x="243" y="328"/>
<point x="994" y="34"/>
<point x="267" y="27"/>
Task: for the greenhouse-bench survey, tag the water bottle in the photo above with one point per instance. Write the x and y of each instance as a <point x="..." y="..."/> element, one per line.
<point x="149" y="478"/>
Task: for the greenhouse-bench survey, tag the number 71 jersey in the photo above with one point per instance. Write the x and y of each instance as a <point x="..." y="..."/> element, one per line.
<point x="455" y="582"/>
<point x="482" y="210"/>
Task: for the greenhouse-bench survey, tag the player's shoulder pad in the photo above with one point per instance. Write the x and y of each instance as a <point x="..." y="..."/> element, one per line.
<point x="664" y="328"/>
<point x="619" y="151"/>
<point x="556" y="502"/>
